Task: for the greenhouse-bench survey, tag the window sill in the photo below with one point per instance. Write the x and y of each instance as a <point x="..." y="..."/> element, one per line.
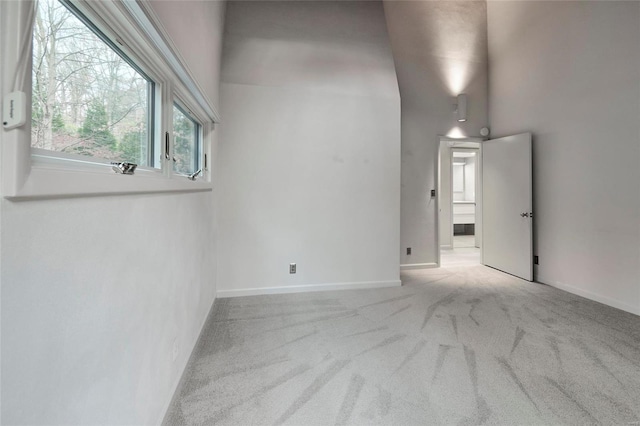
<point x="45" y="182"/>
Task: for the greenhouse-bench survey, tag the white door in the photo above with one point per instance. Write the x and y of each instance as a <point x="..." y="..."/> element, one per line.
<point x="507" y="214"/>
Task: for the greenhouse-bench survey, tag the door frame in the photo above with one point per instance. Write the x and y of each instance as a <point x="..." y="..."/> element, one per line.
<point x="442" y="139"/>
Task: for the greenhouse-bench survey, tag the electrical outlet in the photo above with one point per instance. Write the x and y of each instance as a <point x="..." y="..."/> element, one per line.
<point x="174" y="352"/>
<point x="292" y="268"/>
<point x="408" y="250"/>
<point x="535" y="260"/>
<point x="433" y="193"/>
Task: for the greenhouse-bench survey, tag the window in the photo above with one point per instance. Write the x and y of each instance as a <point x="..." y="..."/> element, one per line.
<point x="87" y="97"/>
<point x="107" y="86"/>
<point x="186" y="136"/>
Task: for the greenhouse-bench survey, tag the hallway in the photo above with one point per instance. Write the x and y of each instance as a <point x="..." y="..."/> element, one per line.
<point x="463" y="253"/>
<point x="451" y="346"/>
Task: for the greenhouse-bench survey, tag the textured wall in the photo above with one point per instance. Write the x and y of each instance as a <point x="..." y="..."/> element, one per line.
<point x="440" y="51"/>
<point x="309" y="163"/>
<point x="96" y="290"/>
<point x="569" y="72"/>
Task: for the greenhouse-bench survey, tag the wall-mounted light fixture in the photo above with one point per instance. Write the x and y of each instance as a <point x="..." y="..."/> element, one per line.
<point x="460" y="107"/>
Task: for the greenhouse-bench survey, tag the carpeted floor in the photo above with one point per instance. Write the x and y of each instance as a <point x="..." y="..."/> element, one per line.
<point x="465" y="256"/>
<point x="451" y="346"/>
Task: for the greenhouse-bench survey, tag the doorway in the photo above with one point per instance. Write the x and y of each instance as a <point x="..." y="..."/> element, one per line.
<point x="459" y="202"/>
<point x="463" y="195"/>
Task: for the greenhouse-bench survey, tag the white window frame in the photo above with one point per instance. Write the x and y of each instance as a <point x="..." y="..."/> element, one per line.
<point x="33" y="173"/>
<point x="200" y="142"/>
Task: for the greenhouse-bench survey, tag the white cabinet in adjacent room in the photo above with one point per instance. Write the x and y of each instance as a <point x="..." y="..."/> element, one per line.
<point x="464" y="212"/>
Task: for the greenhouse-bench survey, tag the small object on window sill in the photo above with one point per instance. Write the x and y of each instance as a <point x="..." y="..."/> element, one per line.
<point x="193" y="175"/>
<point x="124" y="168"/>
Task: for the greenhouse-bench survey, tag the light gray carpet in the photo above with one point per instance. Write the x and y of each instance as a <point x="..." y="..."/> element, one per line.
<point x="466" y="256"/>
<point x="452" y="346"/>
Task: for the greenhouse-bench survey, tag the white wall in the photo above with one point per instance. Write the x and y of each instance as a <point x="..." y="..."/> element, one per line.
<point x="89" y="322"/>
<point x="569" y="72"/>
<point x="195" y="26"/>
<point x="470" y="179"/>
<point x="309" y="161"/>
<point x="446" y="206"/>
<point x="458" y="182"/>
<point x="440" y="51"/>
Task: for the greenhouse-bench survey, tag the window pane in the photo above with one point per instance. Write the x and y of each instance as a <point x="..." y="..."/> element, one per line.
<point x="186" y="140"/>
<point x="86" y="98"/>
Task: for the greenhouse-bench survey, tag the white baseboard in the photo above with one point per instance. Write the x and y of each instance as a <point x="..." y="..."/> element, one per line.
<point x="408" y="266"/>
<point x="182" y="377"/>
<point x="307" y="288"/>
<point x="590" y="295"/>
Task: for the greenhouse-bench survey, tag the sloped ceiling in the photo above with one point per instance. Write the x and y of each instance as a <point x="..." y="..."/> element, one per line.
<point x="447" y="38"/>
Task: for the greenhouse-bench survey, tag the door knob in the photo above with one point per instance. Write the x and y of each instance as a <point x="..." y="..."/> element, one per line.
<point x="524" y="214"/>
